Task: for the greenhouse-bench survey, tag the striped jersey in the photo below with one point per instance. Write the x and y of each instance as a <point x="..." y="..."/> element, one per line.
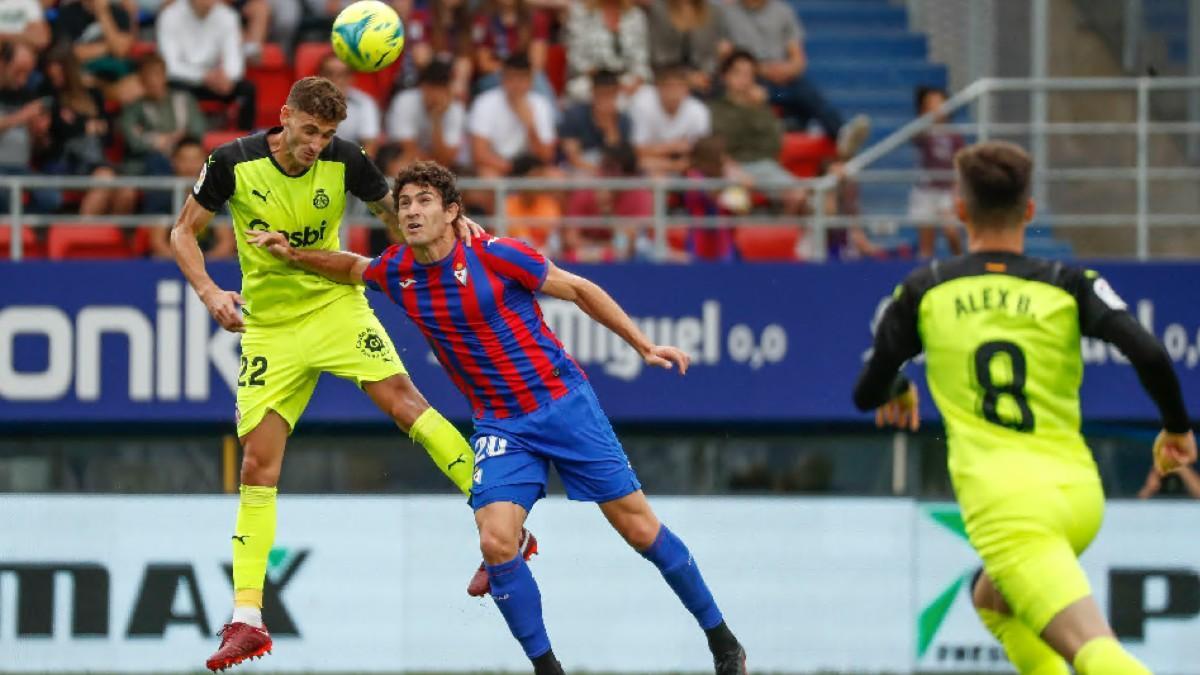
<point x="476" y="308"/>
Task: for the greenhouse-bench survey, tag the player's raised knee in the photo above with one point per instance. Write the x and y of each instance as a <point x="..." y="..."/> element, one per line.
<point x="498" y="544"/>
<point x="985" y="596"/>
<point x="258" y="471"/>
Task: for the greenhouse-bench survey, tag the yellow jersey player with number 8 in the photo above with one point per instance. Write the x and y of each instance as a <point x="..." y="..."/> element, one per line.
<point x="293" y="179"/>
<point x="1001" y="335"/>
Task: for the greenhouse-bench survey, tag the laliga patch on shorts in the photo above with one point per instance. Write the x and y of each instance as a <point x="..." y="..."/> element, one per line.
<point x="371" y="345"/>
<point x="1107" y="294"/>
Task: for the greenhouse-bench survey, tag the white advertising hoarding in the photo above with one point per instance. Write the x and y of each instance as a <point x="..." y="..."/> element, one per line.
<point x="377" y="584"/>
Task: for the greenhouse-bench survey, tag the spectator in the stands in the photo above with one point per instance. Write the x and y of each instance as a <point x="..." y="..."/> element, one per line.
<point x="506" y="27"/>
<point x="437" y="32"/>
<point x="588" y="129"/>
<point x="153" y="125"/>
<point x="688" y="32"/>
<point x="771" y="31"/>
<point x="509" y="121"/>
<point x="667" y="121"/>
<point x="25" y="99"/>
<point x="709" y="159"/>
<point x="201" y="42"/>
<point x="256" y="22"/>
<point x="24" y="22"/>
<point x="79" y="131"/>
<point x="534" y="215"/>
<point x="751" y="131"/>
<point x="931" y="202"/>
<point x="102" y="33"/>
<point x="606" y="35"/>
<point x="362" y="124"/>
<point x="427" y="121"/>
<point x="217" y="240"/>
<point x="605" y="244"/>
<point x="847" y="242"/>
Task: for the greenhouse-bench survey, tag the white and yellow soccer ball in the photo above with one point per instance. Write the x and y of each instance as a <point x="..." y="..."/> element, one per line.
<point x="368" y="36"/>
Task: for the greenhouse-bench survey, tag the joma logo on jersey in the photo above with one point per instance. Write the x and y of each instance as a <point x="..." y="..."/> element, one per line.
<point x="306" y="237"/>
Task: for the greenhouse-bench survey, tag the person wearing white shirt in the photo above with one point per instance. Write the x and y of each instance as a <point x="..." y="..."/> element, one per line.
<point x="511" y="120"/>
<point x="201" y="41"/>
<point x="362" y="124"/>
<point x="667" y="121"/>
<point x="427" y="121"/>
<point x="24" y="21"/>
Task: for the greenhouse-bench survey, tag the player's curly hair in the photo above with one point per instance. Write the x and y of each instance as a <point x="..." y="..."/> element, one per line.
<point x="994" y="181"/>
<point x="318" y="97"/>
<point x="429" y="174"/>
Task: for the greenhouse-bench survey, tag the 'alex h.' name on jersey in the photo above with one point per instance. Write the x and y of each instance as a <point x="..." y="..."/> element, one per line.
<point x="307" y="209"/>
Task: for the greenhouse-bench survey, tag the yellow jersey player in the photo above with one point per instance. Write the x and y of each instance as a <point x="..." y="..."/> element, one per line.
<point x="294" y="179"/>
<point x="1001" y="335"/>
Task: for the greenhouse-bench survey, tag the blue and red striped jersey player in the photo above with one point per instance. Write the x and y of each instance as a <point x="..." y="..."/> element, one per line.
<point x="476" y="304"/>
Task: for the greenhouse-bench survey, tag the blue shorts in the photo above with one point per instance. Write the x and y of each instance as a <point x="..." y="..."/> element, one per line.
<point x="512" y="455"/>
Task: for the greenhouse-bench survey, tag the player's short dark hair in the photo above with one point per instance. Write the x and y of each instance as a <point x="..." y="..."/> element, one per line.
<point x="924" y="91"/>
<point x="437" y="73"/>
<point x="735" y="56"/>
<point x="670" y="71"/>
<point x="432" y="175"/>
<point x="185" y="142"/>
<point x="318" y="97"/>
<point x="518" y="61"/>
<point x="994" y="182"/>
<point x="605" y="78"/>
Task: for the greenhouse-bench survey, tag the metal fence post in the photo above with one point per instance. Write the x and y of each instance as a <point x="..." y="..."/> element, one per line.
<point x="1039" y="58"/>
<point x="660" y="220"/>
<point x="1193" y="93"/>
<point x="983" y="115"/>
<point x="819" y="232"/>
<point x="16" y="247"/>
<point x="1143" y="164"/>
<point x="500" y="205"/>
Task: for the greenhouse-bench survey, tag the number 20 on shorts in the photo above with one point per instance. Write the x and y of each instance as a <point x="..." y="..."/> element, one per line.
<point x="489" y="446"/>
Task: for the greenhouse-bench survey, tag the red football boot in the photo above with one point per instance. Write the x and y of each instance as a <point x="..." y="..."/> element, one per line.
<point x="239" y="641"/>
<point x="480" y="585"/>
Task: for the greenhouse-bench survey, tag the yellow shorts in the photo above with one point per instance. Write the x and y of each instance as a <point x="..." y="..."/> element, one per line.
<point x="280" y="363"/>
<point x="1030" y="544"/>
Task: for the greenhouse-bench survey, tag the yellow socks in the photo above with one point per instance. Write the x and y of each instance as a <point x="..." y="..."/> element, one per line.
<point x="252" y="543"/>
<point x="1026" y="651"/>
<point x="446" y="447"/>
<point x="1106" y="656"/>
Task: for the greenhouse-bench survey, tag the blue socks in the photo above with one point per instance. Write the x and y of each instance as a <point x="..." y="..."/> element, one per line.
<point x="671" y="557"/>
<point x="519" y="600"/>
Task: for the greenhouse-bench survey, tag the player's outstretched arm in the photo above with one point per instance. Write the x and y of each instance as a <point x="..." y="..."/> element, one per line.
<point x="599" y="305"/>
<point x="224" y="306"/>
<point x="881" y="386"/>
<point x="1175" y="446"/>
<point x="340" y="266"/>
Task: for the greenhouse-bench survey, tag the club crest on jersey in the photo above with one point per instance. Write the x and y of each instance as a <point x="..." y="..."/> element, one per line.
<point x="371" y="344"/>
<point x="320" y="200"/>
<point x="460" y="273"/>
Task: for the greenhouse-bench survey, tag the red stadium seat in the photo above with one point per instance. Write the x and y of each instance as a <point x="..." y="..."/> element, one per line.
<point x="802" y="154"/>
<point x="273" y="78"/>
<point x="308" y="57"/>
<point x="556" y="67"/>
<point x="677" y="238"/>
<point x="86" y="241"/>
<point x="30" y="247"/>
<point x="215" y="139"/>
<point x="766" y="243"/>
<point x="359" y="240"/>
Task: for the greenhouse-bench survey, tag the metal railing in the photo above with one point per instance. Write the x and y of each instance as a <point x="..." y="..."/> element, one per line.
<point x="981" y="94"/>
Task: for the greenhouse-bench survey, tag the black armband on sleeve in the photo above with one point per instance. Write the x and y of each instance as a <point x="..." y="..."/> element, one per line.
<point x="1153" y="366"/>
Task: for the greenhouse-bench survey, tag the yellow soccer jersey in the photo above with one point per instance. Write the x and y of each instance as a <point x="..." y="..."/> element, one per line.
<point x="307" y="209"/>
<point x="1001" y="334"/>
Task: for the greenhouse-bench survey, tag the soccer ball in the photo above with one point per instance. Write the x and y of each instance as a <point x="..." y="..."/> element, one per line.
<point x="367" y="36"/>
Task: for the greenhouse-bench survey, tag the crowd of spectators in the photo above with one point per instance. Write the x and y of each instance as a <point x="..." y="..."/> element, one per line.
<point x="493" y="88"/>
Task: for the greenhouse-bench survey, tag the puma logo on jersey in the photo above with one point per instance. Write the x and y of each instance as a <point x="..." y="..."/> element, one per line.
<point x="260" y="195"/>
